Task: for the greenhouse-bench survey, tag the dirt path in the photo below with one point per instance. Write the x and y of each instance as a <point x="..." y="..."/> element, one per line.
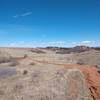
<point x="92" y="76"/>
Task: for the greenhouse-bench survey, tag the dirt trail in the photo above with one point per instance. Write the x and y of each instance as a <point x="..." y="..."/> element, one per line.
<point x="92" y="76"/>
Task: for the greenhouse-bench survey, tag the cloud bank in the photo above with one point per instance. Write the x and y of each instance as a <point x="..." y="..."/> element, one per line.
<point x="85" y="42"/>
<point x="37" y="44"/>
<point x="31" y="44"/>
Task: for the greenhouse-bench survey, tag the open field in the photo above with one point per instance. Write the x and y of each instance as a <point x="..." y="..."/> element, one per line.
<point x="49" y="74"/>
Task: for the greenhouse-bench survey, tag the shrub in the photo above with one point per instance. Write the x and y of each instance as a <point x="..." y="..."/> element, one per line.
<point x="38" y="51"/>
<point x="4" y="60"/>
<point x="4" y="57"/>
<point x="25" y="56"/>
<point x="80" y="62"/>
<point x="13" y="63"/>
<point x="32" y="63"/>
<point x="25" y="72"/>
<point x="2" y="92"/>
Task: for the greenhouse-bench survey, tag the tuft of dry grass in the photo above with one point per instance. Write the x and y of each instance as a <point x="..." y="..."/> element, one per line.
<point x="14" y="63"/>
<point x="80" y="62"/>
<point x="37" y="51"/>
<point x="4" y="57"/>
<point x="32" y="63"/>
<point x="4" y="60"/>
<point x="25" y="56"/>
<point x="25" y="72"/>
<point x="2" y="92"/>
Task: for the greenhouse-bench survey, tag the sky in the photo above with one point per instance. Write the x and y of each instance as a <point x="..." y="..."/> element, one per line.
<point x="40" y="23"/>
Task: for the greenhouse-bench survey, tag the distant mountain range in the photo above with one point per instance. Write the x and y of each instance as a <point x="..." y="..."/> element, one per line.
<point x="77" y="49"/>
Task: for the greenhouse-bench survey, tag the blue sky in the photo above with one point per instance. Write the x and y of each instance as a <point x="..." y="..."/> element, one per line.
<point x="34" y="23"/>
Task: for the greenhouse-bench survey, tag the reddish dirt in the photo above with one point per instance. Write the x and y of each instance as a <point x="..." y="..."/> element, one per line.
<point x="92" y="77"/>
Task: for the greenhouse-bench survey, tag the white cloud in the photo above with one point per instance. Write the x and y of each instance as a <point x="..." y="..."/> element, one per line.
<point x="21" y="44"/>
<point x="37" y="44"/>
<point x="50" y="43"/>
<point x="22" y="15"/>
<point x="89" y="43"/>
<point x="86" y="42"/>
<point x="57" y="43"/>
<point x="26" y="14"/>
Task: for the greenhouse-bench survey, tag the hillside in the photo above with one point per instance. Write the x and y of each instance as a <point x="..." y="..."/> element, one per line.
<point x="43" y="74"/>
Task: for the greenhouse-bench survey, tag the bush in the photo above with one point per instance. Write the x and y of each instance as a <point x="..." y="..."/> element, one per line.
<point x="4" y="60"/>
<point x="4" y="57"/>
<point x="25" y="56"/>
<point x="37" y="51"/>
<point x="80" y="62"/>
<point x="32" y="63"/>
<point x="98" y="71"/>
<point x="25" y="72"/>
<point x="13" y="63"/>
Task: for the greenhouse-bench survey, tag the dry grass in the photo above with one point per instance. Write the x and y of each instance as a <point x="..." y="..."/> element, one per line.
<point x="37" y="51"/>
<point x="13" y="63"/>
<point x="4" y="60"/>
<point x="80" y="62"/>
<point x="25" y="72"/>
<point x="32" y="63"/>
<point x="5" y="57"/>
<point x="25" y="56"/>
